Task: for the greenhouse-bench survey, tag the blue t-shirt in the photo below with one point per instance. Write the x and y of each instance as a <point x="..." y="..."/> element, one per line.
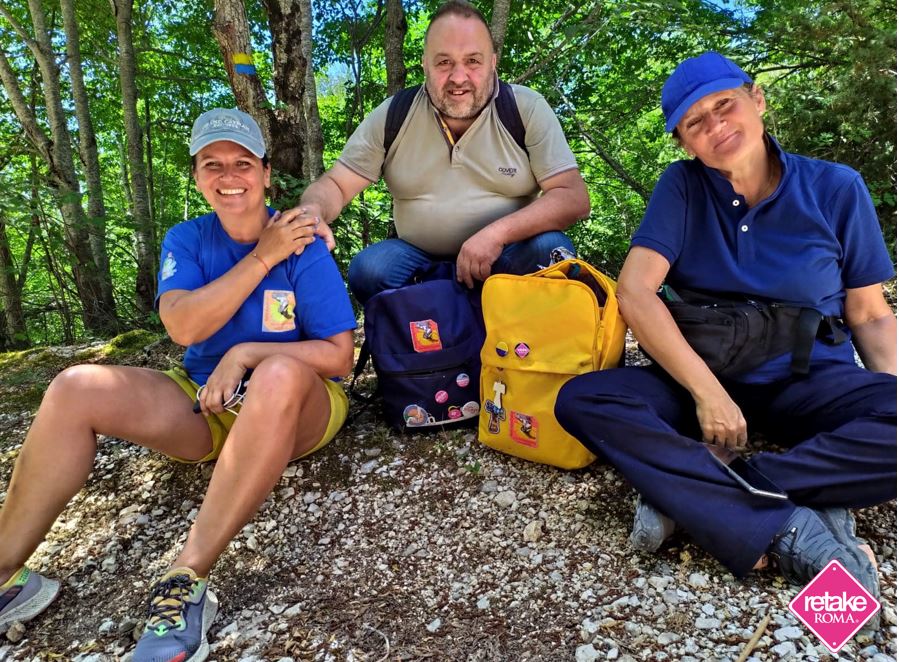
<point x="815" y="236"/>
<point x="302" y="298"/>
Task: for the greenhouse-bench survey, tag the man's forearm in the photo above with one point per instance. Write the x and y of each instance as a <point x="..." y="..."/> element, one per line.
<point x="557" y="209"/>
<point x="324" y="195"/>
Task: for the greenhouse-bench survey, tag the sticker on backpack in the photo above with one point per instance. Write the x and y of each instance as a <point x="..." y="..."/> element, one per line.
<point x="425" y="336"/>
<point x="523" y="429"/>
<point x="417" y="416"/>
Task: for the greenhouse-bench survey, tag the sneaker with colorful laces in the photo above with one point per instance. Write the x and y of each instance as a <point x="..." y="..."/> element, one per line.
<point x="25" y="595"/>
<point x="181" y="608"/>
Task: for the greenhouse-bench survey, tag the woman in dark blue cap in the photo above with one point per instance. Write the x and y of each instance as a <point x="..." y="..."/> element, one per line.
<point x="786" y="250"/>
<point x="262" y="309"/>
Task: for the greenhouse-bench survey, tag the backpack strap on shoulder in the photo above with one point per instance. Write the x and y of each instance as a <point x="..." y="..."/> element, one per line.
<point x="507" y="108"/>
<point x="396" y="114"/>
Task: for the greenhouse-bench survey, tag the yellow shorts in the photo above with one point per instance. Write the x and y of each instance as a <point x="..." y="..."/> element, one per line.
<point x="220" y="424"/>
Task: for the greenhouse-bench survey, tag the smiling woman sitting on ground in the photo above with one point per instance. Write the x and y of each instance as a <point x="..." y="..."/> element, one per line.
<point x="267" y="322"/>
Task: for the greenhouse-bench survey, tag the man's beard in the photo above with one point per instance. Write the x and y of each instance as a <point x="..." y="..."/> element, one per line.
<point x="476" y="101"/>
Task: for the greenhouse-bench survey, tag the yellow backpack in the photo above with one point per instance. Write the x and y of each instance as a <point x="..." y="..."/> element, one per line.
<point x="542" y="330"/>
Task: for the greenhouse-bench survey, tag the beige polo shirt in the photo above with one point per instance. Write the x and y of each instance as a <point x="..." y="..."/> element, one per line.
<point x="443" y="195"/>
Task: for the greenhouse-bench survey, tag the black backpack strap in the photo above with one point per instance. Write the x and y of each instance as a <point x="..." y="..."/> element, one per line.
<point x="806" y="332"/>
<point x="361" y="363"/>
<point x="507" y="108"/>
<point x="811" y="325"/>
<point x="396" y="114"/>
<point x="364" y="401"/>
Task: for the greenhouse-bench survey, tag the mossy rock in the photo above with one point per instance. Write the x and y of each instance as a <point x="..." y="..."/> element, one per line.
<point x="128" y="343"/>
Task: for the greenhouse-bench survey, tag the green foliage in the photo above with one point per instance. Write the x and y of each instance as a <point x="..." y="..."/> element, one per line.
<point x="830" y="77"/>
<point x="827" y="68"/>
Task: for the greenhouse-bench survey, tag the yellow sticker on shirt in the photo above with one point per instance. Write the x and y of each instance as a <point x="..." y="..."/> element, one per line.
<point x="278" y="311"/>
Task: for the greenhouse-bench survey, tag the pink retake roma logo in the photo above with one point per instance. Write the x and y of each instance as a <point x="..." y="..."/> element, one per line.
<point x="834" y="606"/>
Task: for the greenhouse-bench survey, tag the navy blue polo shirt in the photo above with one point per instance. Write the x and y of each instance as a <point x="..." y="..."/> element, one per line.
<point x="815" y="236"/>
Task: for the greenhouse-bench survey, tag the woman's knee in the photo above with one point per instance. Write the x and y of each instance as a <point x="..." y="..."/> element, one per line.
<point x="282" y="381"/>
<point x="587" y="393"/>
<point x="617" y="398"/>
<point x="77" y="384"/>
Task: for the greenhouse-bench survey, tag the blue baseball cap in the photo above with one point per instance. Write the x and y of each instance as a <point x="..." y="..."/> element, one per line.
<point x="695" y="78"/>
<point x="227" y="124"/>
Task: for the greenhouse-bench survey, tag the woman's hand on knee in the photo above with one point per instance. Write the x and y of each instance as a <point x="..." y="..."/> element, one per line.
<point x="721" y="421"/>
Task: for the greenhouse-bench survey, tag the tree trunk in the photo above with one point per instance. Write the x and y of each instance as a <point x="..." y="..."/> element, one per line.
<point x="97" y="307"/>
<point x="87" y="146"/>
<point x="498" y="24"/>
<point x="286" y="125"/>
<point x="394" y="37"/>
<point x="148" y="138"/>
<point x="315" y="142"/>
<point x="144" y="235"/>
<point x="285" y="18"/>
<point x="14" y="320"/>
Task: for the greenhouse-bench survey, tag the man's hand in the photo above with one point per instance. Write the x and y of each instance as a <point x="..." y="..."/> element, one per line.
<point x="313" y="212"/>
<point x="721" y="421"/>
<point x="282" y="236"/>
<point x="477" y="255"/>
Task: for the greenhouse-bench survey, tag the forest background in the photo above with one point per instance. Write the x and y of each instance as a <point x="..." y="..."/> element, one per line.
<point x="98" y="98"/>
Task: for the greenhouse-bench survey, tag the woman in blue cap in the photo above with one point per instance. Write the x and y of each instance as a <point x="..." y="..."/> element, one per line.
<point x="792" y="246"/>
<point x="267" y="322"/>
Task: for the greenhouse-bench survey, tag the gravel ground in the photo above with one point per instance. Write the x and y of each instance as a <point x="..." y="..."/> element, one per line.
<point x="404" y="547"/>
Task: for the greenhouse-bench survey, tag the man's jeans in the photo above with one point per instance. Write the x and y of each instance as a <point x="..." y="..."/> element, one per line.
<point x="391" y="263"/>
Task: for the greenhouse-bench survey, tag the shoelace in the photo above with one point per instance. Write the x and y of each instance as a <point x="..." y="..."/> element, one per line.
<point x="166" y="602"/>
<point x="776" y="541"/>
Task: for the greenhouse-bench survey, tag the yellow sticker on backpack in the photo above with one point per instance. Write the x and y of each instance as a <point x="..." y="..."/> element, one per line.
<point x="523" y="429"/>
<point x="425" y="336"/>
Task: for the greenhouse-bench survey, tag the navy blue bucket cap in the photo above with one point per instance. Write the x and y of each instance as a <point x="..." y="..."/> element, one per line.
<point x="695" y="78"/>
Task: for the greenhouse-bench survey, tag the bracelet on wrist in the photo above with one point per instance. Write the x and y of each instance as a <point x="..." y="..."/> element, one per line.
<point x="261" y="261"/>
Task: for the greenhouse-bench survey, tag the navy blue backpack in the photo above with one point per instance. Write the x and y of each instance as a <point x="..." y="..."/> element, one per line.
<point x="425" y="341"/>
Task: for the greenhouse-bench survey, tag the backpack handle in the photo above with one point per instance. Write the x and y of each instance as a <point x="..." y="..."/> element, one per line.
<point x="435" y="271"/>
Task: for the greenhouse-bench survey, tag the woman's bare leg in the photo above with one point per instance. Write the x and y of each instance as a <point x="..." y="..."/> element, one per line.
<point x="285" y="413"/>
<point x="141" y="405"/>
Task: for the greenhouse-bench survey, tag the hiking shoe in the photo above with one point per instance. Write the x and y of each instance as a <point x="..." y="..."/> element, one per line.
<point x="841" y="523"/>
<point x="805" y="545"/>
<point x="181" y="608"/>
<point x="29" y="595"/>
<point x="651" y="527"/>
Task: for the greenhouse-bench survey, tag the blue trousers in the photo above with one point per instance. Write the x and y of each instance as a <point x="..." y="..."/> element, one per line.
<point x="839" y="423"/>
<point x="391" y="263"/>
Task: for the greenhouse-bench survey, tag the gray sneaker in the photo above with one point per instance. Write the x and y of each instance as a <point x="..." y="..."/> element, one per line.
<point x="805" y="545"/>
<point x="180" y="611"/>
<point x="841" y="523"/>
<point x="29" y="596"/>
<point x="651" y="528"/>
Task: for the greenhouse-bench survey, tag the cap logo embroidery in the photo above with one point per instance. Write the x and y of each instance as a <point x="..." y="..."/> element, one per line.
<point x="224" y="123"/>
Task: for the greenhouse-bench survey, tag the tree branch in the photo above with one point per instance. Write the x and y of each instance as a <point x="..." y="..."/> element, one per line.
<point x="603" y="154"/>
<point x="554" y="54"/>
<point x="19" y="28"/>
<point x="20" y="107"/>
